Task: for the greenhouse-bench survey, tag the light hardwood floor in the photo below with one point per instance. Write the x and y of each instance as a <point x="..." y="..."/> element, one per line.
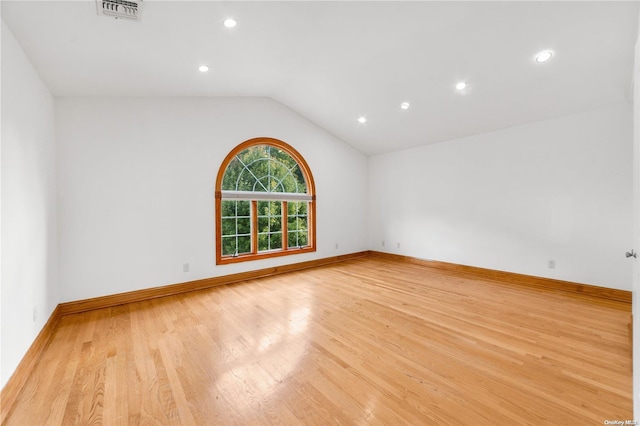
<point x="368" y="341"/>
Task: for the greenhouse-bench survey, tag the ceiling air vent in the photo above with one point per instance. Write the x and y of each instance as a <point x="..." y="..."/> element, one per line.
<point x="125" y="9"/>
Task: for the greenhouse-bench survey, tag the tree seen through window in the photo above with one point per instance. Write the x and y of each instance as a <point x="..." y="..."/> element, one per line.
<point x="264" y="201"/>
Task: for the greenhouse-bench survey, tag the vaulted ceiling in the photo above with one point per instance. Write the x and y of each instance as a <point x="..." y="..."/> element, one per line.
<point x="334" y="62"/>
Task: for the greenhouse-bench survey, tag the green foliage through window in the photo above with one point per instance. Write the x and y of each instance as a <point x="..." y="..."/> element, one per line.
<point x="297" y="225"/>
<point x="236" y="227"/>
<point x="263" y="168"/>
<point x="257" y="184"/>
<point x="269" y="225"/>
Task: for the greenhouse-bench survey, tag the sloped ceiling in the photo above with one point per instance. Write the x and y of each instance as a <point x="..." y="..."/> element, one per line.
<point x="336" y="61"/>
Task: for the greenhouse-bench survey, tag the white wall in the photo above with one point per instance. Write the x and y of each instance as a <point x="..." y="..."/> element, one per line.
<point x="513" y="199"/>
<point x="136" y="187"/>
<point x="636" y="223"/>
<point x="29" y="236"/>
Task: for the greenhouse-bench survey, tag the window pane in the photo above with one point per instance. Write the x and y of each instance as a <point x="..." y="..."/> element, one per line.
<point x="261" y="185"/>
<point x="302" y="186"/>
<point x="244" y="208"/>
<point x="244" y="226"/>
<point x="228" y="226"/>
<point x="289" y="183"/>
<point x="244" y="244"/>
<point x="246" y="181"/>
<point x="298" y="239"/>
<point x="269" y="219"/>
<point x="291" y="208"/>
<point x="228" y="208"/>
<point x="264" y="168"/>
<point x="231" y="175"/>
<point x="270" y="241"/>
<point x="297" y="223"/>
<point x="302" y="207"/>
<point x="233" y="208"/>
<point x="228" y="246"/>
<point x="292" y="238"/>
<point x="263" y="242"/>
<point x="297" y="208"/>
<point x="277" y="173"/>
<point x="257" y="166"/>
<point x="276" y="208"/>
<point x="236" y="227"/>
<point x="302" y="223"/>
<point x="303" y="238"/>
<point x="276" y="241"/>
<point x="275" y="224"/>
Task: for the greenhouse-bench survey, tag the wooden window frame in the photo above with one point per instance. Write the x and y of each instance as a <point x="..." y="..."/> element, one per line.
<point x="311" y="209"/>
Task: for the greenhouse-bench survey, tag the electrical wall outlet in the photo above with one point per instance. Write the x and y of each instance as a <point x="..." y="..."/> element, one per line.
<point x="185" y="267"/>
<point x="551" y="264"/>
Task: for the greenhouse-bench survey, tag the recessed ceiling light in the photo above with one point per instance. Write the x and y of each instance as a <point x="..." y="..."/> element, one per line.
<point x="230" y="22"/>
<point x="362" y="120"/>
<point x="544" y="56"/>
<point x="203" y="68"/>
<point x="461" y="85"/>
<point x="405" y="105"/>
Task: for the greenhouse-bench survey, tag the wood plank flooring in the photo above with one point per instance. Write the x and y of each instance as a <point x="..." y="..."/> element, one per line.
<point x="368" y="341"/>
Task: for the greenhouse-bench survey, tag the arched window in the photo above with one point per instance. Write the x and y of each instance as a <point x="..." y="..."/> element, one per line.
<point x="265" y="202"/>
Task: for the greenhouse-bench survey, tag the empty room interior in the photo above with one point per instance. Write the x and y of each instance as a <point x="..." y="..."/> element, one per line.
<point x="301" y="212"/>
